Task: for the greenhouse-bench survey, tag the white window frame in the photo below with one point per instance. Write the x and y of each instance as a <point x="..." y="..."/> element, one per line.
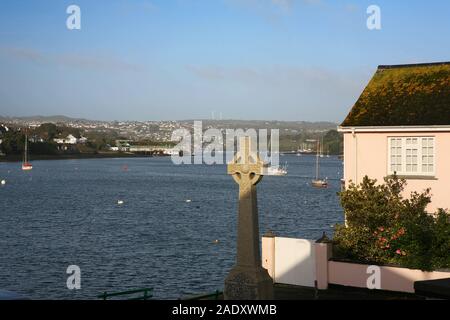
<point x="403" y="164"/>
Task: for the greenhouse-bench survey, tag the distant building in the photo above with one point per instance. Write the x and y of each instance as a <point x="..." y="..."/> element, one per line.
<point x="141" y="149"/>
<point x="36" y="139"/>
<point x="401" y="125"/>
<point x="70" y="139"/>
<point x="123" y="145"/>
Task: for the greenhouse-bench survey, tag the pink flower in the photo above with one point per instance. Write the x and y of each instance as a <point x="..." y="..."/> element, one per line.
<point x="398" y="251"/>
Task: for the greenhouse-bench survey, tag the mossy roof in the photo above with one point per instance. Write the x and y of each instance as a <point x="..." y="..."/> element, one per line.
<point x="404" y="95"/>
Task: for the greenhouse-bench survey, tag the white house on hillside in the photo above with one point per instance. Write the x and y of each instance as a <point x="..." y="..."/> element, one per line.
<point x="70" y="139"/>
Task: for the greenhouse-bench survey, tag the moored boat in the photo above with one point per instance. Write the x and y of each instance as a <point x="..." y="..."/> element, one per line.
<point x="317" y="182"/>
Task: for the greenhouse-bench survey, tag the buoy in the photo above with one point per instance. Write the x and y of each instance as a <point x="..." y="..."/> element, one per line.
<point x="216" y="241"/>
<point x="3" y="182"/>
<point x="188" y="201"/>
<point x="119" y="202"/>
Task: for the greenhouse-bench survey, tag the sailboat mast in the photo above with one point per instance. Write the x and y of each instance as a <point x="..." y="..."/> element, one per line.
<point x="321" y="148"/>
<point x="26" y="149"/>
<point x="317" y="160"/>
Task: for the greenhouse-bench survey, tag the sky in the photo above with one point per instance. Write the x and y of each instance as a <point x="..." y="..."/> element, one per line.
<point x="141" y="60"/>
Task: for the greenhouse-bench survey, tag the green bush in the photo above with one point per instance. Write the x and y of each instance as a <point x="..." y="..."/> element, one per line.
<point x="384" y="228"/>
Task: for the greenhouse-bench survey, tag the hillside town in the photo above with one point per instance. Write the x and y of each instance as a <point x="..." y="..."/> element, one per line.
<point x="63" y="135"/>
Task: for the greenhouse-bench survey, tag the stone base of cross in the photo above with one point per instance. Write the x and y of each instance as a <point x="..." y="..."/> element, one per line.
<point x="248" y="280"/>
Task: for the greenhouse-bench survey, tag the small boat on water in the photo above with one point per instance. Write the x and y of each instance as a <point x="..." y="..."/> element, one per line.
<point x="26" y="165"/>
<point x="277" y="171"/>
<point x="317" y="182"/>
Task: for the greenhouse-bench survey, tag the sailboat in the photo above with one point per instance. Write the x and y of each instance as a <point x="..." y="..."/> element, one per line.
<point x="318" y="183"/>
<point x="26" y="166"/>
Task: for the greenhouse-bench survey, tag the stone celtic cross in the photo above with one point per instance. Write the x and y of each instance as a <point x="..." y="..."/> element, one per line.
<point x="248" y="280"/>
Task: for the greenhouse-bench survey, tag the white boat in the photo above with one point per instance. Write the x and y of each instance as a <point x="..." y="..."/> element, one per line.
<point x="319" y="183"/>
<point x="277" y="171"/>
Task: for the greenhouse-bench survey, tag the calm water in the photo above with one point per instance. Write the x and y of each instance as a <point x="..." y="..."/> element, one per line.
<point x="65" y="212"/>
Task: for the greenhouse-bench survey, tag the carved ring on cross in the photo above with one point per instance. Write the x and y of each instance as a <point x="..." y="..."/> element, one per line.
<point x="246" y="167"/>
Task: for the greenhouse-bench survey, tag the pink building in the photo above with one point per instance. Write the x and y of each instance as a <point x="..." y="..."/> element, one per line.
<point x="401" y="124"/>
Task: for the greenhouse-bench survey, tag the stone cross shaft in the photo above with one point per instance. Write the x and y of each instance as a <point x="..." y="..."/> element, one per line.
<point x="247" y="280"/>
<point x="247" y="171"/>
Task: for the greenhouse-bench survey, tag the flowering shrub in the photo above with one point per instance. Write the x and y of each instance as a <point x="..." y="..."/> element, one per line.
<point x="384" y="228"/>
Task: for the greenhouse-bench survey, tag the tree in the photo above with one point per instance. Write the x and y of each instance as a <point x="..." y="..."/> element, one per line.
<point x="13" y="142"/>
<point x="333" y="142"/>
<point x="383" y="227"/>
<point x="47" y="131"/>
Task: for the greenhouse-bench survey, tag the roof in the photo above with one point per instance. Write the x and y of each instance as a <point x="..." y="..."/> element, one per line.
<point x="404" y="95"/>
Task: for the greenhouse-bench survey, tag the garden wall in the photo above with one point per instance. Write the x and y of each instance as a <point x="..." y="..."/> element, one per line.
<point x="298" y="257"/>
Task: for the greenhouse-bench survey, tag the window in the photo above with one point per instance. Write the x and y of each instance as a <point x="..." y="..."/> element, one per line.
<point x="396" y="155"/>
<point x="428" y="155"/>
<point x="411" y="156"/>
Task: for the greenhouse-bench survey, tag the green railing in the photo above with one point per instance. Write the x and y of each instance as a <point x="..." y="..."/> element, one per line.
<point x="147" y="293"/>
<point x="209" y="296"/>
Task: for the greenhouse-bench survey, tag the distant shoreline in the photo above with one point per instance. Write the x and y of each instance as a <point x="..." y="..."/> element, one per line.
<point x="18" y="158"/>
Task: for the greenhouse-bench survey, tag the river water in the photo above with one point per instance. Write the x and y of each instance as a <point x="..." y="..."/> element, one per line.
<point x="66" y="212"/>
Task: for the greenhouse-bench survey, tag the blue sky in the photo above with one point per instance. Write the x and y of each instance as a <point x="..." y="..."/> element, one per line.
<point x="184" y="59"/>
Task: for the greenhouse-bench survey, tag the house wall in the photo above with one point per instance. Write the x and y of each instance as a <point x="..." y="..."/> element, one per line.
<point x="367" y="154"/>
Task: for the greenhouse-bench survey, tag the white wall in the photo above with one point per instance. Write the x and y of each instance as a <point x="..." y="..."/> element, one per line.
<point x="295" y="262"/>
